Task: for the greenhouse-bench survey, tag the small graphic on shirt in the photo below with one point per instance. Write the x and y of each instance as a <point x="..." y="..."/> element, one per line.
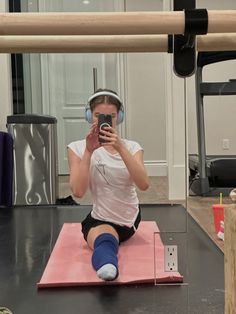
<point x="115" y="176"/>
<point x="101" y="167"/>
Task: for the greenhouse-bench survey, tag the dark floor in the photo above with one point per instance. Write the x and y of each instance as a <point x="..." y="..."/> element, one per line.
<point x="27" y="237"/>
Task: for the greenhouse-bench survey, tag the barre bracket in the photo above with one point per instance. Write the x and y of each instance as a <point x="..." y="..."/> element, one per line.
<point x="183" y="46"/>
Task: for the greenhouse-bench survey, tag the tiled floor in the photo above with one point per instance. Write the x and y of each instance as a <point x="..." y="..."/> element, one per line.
<point x="200" y="208"/>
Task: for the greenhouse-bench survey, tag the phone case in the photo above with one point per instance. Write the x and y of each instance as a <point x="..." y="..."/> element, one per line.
<point x="103" y="121"/>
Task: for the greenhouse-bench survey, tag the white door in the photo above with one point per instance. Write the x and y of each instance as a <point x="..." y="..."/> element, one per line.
<point x="68" y="81"/>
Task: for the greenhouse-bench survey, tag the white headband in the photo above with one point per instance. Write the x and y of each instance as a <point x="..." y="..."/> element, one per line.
<point x="104" y="93"/>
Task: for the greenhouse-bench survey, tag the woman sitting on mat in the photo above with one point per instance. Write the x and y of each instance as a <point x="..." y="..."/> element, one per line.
<point x="110" y="167"/>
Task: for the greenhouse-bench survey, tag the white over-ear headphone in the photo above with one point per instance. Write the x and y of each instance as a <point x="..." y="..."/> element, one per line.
<point x="88" y="112"/>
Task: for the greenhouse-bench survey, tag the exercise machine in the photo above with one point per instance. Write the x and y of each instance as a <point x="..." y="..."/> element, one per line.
<point x="211" y="174"/>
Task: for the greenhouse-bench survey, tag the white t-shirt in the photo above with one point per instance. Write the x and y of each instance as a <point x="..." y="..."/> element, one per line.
<point x="114" y="194"/>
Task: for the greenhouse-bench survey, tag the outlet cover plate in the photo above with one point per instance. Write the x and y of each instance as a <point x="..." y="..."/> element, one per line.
<point x="171" y="258"/>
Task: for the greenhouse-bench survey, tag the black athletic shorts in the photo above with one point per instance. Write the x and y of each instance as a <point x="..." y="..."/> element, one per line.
<point x="124" y="232"/>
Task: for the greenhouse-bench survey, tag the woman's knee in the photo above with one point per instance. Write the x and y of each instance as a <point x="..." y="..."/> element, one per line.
<point x="96" y="231"/>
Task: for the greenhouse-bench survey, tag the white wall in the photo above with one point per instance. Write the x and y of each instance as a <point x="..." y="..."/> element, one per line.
<point x="5" y="84"/>
<point x="146" y="99"/>
<point x="156" y="102"/>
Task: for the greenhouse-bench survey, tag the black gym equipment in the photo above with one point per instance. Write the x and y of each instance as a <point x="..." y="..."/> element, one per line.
<point x="212" y="174"/>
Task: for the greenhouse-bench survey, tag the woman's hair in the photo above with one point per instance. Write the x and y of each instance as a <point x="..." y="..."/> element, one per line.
<point x="105" y="99"/>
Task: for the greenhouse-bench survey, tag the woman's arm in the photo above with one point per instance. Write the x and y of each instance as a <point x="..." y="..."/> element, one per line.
<point x="80" y="167"/>
<point x="135" y="166"/>
<point x="79" y="172"/>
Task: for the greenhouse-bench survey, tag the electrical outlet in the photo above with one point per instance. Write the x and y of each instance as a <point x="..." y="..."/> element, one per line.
<point x="171" y="258"/>
<point x="225" y="143"/>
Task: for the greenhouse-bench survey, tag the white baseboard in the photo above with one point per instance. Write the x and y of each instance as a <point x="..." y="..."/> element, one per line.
<point x="156" y="168"/>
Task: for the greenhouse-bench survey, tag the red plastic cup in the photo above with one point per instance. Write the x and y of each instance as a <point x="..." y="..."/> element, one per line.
<point x="218" y="212"/>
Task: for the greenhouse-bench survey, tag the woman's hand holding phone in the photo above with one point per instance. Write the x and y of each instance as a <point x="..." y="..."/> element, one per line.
<point x="107" y="134"/>
<point x="92" y="142"/>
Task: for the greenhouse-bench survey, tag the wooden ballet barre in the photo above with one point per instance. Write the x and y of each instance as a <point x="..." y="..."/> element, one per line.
<point x="110" y="23"/>
<point x="107" y="43"/>
<point x="216" y="42"/>
<point x="83" y="44"/>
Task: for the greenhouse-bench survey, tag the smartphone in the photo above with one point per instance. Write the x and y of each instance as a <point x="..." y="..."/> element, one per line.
<point x="104" y="120"/>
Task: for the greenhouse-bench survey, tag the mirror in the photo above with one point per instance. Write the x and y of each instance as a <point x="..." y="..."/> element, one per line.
<point x="159" y="108"/>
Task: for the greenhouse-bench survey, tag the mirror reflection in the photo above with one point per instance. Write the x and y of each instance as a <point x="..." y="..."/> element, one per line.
<point x="60" y="85"/>
<point x="183" y="127"/>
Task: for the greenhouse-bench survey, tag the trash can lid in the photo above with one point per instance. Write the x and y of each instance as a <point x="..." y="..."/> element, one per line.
<point x="31" y="118"/>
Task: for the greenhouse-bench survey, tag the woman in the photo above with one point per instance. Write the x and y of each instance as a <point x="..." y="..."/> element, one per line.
<point x="111" y="170"/>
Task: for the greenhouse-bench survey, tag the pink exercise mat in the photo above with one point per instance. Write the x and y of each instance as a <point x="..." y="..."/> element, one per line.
<point x="70" y="260"/>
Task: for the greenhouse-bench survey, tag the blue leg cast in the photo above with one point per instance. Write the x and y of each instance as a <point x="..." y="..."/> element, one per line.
<point x="104" y="259"/>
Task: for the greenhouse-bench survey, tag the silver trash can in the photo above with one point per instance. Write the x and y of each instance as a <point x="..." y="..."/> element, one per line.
<point x="35" y="165"/>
